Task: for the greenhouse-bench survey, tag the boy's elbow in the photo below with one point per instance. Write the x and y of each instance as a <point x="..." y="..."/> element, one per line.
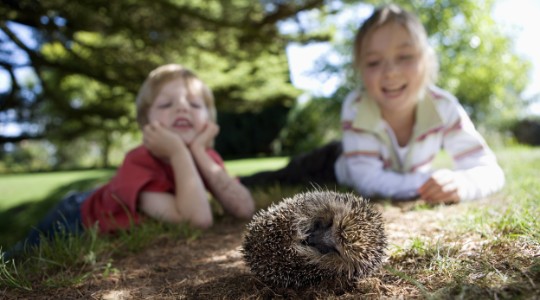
<point x="202" y="222"/>
<point x="238" y="206"/>
<point x="197" y="219"/>
<point x="246" y="212"/>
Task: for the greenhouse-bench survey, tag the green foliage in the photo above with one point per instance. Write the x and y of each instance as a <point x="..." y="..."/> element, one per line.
<point x="310" y="125"/>
<point x="90" y="65"/>
<point x="248" y="133"/>
<point x="526" y="131"/>
<point x="472" y="48"/>
<point x="25" y="157"/>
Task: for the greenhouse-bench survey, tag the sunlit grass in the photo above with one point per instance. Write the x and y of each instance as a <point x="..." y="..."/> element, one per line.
<point x="249" y="166"/>
<point x="489" y="248"/>
<point x="17" y="189"/>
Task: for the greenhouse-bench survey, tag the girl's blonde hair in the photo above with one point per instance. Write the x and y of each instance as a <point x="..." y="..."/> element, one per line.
<point x="160" y="76"/>
<point x="392" y="13"/>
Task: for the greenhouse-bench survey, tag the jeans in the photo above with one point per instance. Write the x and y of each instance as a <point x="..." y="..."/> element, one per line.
<point x="63" y="220"/>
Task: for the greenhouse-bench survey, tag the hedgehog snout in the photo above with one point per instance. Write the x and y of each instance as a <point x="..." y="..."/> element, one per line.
<point x="321" y="237"/>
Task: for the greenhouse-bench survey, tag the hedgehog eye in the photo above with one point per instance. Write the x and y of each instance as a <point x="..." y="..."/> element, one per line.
<point x="317" y="225"/>
<point x="321" y="237"/>
<point x="321" y="224"/>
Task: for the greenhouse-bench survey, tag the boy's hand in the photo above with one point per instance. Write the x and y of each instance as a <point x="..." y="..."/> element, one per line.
<point x="161" y="142"/>
<point x="205" y="138"/>
<point x="441" y="187"/>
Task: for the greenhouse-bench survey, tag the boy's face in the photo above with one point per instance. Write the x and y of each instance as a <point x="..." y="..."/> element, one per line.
<point x="392" y="68"/>
<point x="177" y="110"/>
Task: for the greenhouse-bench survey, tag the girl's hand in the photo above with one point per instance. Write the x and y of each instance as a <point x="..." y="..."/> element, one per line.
<point x="205" y="138"/>
<point x="162" y="142"/>
<point x="441" y="187"/>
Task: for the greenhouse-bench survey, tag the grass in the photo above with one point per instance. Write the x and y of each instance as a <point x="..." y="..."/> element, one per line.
<point x="243" y="167"/>
<point x="488" y="249"/>
<point x="26" y="198"/>
<point x="18" y="189"/>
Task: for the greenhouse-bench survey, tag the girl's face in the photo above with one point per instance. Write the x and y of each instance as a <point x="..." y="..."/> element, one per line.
<point x="177" y="110"/>
<point x="392" y="68"/>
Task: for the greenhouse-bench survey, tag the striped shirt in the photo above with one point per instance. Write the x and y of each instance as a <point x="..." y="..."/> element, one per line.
<point x="373" y="163"/>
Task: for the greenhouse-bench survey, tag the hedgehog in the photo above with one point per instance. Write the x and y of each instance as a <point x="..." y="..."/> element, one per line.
<point x="314" y="236"/>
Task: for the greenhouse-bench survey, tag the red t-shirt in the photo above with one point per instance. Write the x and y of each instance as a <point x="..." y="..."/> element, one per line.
<point x="114" y="205"/>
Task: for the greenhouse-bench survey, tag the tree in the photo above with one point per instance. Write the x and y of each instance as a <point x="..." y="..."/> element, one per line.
<point x="91" y="56"/>
<point x="477" y="61"/>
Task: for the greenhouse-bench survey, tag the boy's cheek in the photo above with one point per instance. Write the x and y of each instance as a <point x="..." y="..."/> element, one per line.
<point x="206" y="123"/>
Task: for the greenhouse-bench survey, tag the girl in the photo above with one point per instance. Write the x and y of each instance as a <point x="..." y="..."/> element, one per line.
<point x="397" y="122"/>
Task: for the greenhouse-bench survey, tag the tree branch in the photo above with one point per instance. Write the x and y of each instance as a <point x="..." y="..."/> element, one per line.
<point x="288" y="10"/>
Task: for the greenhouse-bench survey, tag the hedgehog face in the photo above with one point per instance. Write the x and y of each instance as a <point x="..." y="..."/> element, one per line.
<point x="321" y="236"/>
<point x="318" y="225"/>
<point x="338" y="234"/>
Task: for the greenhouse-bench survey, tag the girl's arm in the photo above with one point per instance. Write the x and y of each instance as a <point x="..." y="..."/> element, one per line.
<point x="361" y="167"/>
<point x="477" y="172"/>
<point x="229" y="192"/>
<point x="368" y="177"/>
<point x="190" y="202"/>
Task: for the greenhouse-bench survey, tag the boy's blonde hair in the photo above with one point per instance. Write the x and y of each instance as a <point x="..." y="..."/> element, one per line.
<point x="160" y="76"/>
<point x="392" y="13"/>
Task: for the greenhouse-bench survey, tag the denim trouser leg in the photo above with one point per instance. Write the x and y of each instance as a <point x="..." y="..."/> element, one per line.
<point x="64" y="219"/>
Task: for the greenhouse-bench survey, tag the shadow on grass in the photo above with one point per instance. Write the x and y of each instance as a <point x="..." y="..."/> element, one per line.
<point x="16" y="221"/>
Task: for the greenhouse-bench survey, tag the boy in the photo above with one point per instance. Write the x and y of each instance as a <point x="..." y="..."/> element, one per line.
<point x="165" y="178"/>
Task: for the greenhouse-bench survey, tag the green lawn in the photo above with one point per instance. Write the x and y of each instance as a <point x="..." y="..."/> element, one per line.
<point x="20" y="188"/>
<point x="242" y="167"/>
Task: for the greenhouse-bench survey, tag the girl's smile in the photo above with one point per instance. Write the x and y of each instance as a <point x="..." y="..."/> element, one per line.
<point x="392" y="68"/>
